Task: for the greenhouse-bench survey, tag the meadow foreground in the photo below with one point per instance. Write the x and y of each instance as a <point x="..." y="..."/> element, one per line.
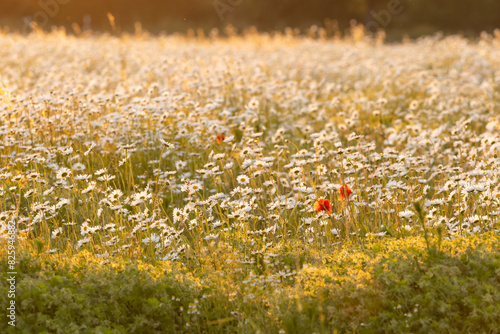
<point x="250" y="184"/>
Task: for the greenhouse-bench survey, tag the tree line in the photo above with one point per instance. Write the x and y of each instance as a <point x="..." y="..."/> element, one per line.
<point x="174" y="15"/>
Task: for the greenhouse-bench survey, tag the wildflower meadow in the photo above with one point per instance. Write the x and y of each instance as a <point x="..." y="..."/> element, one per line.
<point x="254" y="183"/>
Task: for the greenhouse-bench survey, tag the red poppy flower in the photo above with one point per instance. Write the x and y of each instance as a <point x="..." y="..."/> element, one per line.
<point x="220" y="138"/>
<point x="323" y="205"/>
<point x="344" y="192"/>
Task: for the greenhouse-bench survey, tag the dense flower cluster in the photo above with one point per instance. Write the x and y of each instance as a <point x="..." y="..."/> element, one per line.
<point x="247" y="142"/>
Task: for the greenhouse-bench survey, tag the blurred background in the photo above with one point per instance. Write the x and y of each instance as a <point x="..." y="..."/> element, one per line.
<point x="396" y="17"/>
